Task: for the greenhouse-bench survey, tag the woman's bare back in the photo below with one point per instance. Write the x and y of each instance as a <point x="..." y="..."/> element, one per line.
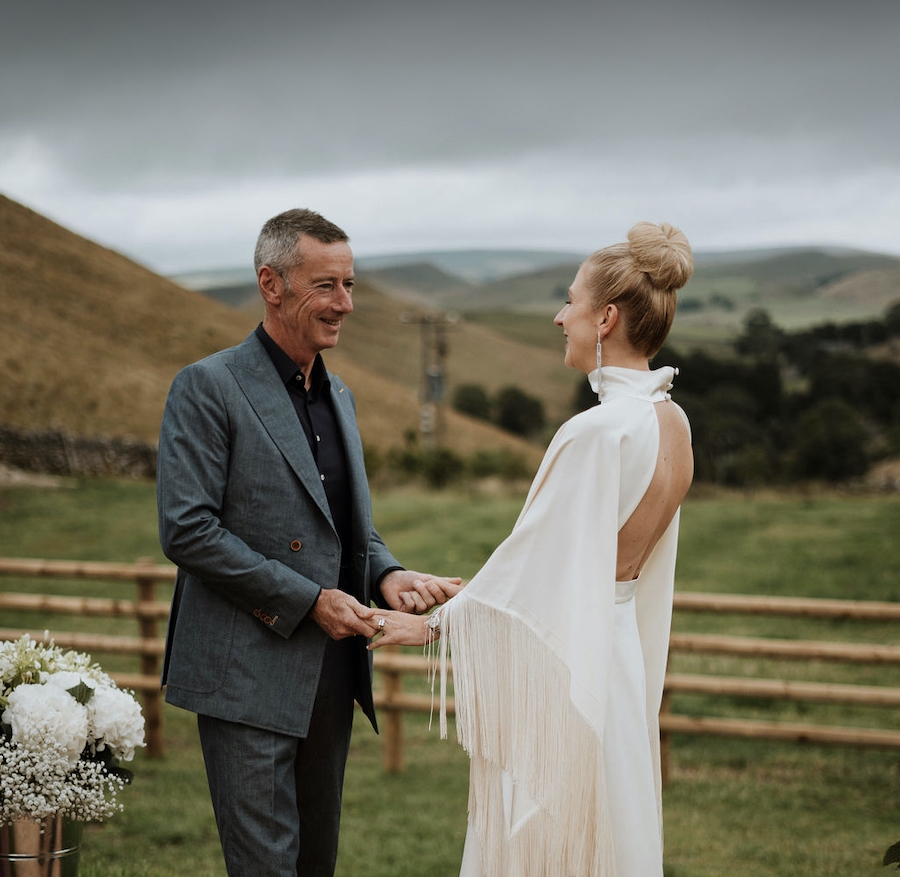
<point x="668" y="487"/>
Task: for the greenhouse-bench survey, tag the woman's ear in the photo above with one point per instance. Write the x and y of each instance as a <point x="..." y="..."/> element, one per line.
<point x="607" y="319"/>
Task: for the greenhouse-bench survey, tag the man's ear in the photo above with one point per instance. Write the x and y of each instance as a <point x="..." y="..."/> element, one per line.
<point x="270" y="284"/>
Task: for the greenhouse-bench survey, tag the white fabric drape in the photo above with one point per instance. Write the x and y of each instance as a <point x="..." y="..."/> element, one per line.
<point x="535" y="645"/>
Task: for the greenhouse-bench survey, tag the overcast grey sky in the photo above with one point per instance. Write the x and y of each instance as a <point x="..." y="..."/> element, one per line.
<point x="172" y="130"/>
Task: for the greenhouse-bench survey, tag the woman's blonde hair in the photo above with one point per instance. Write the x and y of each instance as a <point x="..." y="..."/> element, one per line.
<point x="641" y="277"/>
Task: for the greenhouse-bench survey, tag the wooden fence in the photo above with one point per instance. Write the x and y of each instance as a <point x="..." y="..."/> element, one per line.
<point x="784" y="689"/>
<point x="393" y="665"/>
<point x="149" y="612"/>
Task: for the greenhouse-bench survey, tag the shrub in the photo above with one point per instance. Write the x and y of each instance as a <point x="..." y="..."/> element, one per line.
<point x="501" y="462"/>
<point x="472" y="399"/>
<point x="441" y="466"/>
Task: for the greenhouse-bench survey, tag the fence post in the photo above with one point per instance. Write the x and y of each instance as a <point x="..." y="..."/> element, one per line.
<point x="146" y="587"/>
<point x="393" y="717"/>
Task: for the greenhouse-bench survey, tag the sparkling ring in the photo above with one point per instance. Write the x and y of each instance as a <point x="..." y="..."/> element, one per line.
<point x="381" y="624"/>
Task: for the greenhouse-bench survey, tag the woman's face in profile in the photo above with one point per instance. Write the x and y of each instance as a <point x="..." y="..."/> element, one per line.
<point x="578" y="321"/>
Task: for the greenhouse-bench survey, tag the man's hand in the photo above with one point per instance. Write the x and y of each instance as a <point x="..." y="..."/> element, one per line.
<point x="409" y="591"/>
<point x="341" y="615"/>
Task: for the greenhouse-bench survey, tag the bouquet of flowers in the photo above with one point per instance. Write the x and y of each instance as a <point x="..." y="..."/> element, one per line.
<point x="64" y="730"/>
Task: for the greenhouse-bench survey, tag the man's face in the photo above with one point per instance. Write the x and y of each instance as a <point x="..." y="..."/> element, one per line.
<point x="317" y="296"/>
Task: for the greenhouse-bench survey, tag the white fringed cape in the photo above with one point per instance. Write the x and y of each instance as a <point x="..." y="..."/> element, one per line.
<point x="531" y="643"/>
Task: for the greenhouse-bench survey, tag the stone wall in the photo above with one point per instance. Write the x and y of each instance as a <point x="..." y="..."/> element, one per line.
<point x="58" y="452"/>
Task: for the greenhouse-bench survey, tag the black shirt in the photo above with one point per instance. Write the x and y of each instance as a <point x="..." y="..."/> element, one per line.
<point x="315" y="411"/>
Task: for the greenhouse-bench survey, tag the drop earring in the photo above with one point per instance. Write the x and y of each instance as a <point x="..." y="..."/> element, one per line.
<point x="599" y="372"/>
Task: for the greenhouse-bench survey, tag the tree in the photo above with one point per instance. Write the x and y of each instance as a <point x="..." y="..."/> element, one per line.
<point x="760" y="337"/>
<point x="892" y="319"/>
<point x="517" y="412"/>
<point x="829" y="442"/>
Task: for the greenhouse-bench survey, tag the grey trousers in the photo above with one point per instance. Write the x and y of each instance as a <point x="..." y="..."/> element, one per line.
<point x="277" y="798"/>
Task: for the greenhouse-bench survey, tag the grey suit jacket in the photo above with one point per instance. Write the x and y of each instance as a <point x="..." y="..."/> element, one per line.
<point x="244" y="516"/>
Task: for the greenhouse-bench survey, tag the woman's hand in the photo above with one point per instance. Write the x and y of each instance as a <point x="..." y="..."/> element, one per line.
<point x="401" y="629"/>
<point x="410" y="591"/>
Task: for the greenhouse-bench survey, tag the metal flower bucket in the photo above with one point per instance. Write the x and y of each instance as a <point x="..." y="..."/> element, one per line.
<point x="49" y="848"/>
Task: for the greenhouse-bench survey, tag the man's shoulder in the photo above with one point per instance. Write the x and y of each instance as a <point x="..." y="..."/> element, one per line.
<point x="249" y="347"/>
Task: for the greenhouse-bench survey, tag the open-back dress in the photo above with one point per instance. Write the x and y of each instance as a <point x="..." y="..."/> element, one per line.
<point x="558" y="669"/>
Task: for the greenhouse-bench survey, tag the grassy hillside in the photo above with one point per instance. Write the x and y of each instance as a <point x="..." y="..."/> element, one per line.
<point x="505" y="331"/>
<point x="95" y="340"/>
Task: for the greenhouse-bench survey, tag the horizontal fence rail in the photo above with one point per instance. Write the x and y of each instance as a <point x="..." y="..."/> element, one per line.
<point x="807" y="607"/>
<point x="145" y="609"/>
<point x="392" y="665"/>
<point x="785" y="649"/>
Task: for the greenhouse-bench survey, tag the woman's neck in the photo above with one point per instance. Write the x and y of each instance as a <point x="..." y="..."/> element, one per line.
<point x="624" y="356"/>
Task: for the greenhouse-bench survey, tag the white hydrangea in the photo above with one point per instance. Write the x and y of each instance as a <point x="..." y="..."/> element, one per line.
<point x="116" y="722"/>
<point x="66" y="680"/>
<point x="42" y="715"/>
<point x="58" y="710"/>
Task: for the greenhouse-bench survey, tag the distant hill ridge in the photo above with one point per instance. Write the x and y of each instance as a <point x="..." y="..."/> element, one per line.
<point x="480" y="266"/>
<point x="782" y="279"/>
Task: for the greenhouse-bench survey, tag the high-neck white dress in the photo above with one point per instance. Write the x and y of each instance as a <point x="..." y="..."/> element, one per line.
<point x="558" y="669"/>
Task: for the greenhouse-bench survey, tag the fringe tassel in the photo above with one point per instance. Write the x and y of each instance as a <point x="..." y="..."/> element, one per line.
<point x="514" y="715"/>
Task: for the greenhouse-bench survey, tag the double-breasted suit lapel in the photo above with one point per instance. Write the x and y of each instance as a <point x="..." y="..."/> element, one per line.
<point x="259" y="381"/>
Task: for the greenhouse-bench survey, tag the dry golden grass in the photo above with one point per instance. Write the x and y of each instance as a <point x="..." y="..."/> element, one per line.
<point x="93" y="340"/>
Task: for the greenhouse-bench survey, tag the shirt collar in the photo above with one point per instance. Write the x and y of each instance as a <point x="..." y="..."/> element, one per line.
<point x="287" y="369"/>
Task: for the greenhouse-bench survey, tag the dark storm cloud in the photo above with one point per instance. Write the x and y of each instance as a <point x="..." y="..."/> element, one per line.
<point x="193" y="110"/>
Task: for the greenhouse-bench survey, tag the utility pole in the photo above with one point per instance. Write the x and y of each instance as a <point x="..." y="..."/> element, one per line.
<point x="432" y="376"/>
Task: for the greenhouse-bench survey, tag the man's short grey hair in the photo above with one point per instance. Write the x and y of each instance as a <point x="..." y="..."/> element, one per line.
<point x="276" y="245"/>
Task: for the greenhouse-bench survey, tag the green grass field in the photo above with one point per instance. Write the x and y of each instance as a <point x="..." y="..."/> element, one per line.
<point x="735" y="807"/>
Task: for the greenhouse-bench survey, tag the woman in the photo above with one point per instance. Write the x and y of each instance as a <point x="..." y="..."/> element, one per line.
<point x="559" y="643"/>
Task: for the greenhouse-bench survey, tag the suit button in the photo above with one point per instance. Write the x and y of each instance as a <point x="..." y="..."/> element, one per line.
<point x="296" y="545"/>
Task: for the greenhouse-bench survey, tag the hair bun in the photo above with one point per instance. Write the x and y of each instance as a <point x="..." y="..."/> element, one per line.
<point x="663" y="253"/>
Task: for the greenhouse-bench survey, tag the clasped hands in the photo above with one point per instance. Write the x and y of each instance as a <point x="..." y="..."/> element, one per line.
<point x="407" y="592"/>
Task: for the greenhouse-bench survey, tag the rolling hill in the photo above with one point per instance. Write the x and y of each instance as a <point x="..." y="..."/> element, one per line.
<point x="799" y="287"/>
<point x="775" y="278"/>
<point x="94" y="340"/>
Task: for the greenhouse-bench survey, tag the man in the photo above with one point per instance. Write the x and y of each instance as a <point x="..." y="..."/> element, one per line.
<point x="265" y="509"/>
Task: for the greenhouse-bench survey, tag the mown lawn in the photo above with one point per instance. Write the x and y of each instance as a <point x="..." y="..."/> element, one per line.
<point x="735" y="807"/>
